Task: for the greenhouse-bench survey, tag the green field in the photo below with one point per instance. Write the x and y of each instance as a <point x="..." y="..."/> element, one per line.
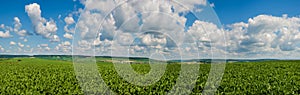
<point x="42" y="76"/>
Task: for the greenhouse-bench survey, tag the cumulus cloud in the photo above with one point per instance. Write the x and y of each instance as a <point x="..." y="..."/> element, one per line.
<point x="129" y="17"/>
<point x="264" y="35"/>
<point x="66" y="43"/>
<point x="43" y="45"/>
<point x="205" y="38"/>
<point x="5" y="34"/>
<point x="122" y="25"/>
<point x="64" y="47"/>
<point x="55" y="38"/>
<point x="12" y="43"/>
<point x="69" y="21"/>
<point x="21" y="45"/>
<point x="25" y="40"/>
<point x="68" y="36"/>
<point x="22" y="33"/>
<point x="46" y="28"/>
<point x="17" y="24"/>
<point x="158" y="25"/>
<point x="151" y="40"/>
<point x="2" y="49"/>
<point x="47" y="48"/>
<point x="16" y="29"/>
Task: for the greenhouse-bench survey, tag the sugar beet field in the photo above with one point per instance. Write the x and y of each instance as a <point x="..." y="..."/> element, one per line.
<point x="42" y="76"/>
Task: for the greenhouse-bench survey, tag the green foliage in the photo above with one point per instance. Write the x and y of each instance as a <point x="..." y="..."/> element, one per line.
<point x="41" y="76"/>
<point x="37" y="76"/>
<point x="270" y="77"/>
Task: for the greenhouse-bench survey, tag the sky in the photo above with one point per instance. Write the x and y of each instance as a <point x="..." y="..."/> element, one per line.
<point x="232" y="11"/>
<point x="235" y="28"/>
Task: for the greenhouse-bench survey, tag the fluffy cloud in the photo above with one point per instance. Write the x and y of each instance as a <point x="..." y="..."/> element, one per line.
<point x="25" y="40"/>
<point x="205" y="38"/>
<point x="66" y="43"/>
<point x="130" y="17"/>
<point x="47" y="48"/>
<point x="42" y="27"/>
<point x="43" y="45"/>
<point x="264" y="35"/>
<point x="68" y="36"/>
<point x="64" y="47"/>
<point x="17" y="24"/>
<point x="151" y="40"/>
<point x="16" y="28"/>
<point x="2" y="49"/>
<point x="157" y="25"/>
<point x="21" y="45"/>
<point x="69" y="21"/>
<point x="12" y="43"/>
<point x="55" y="38"/>
<point x="69" y="31"/>
<point x="123" y="24"/>
<point x="5" y="34"/>
<point x="22" y="33"/>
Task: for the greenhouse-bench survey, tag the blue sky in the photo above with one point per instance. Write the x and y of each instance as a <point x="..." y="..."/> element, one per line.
<point x="229" y="12"/>
<point x="50" y="10"/>
<point x="232" y="11"/>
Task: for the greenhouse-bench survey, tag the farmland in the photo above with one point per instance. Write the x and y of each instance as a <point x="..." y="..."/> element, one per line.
<point x="44" y="76"/>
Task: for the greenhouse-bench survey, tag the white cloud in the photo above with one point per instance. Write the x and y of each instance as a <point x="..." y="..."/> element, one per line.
<point x="69" y="20"/>
<point x="205" y="38"/>
<point x="5" y="34"/>
<point x="131" y="19"/>
<point x="97" y="42"/>
<point x="43" y="45"/>
<point x="55" y="38"/>
<point x="68" y="36"/>
<point x="21" y="45"/>
<point x="261" y="35"/>
<point x="16" y="28"/>
<point x="212" y="5"/>
<point x="265" y="36"/>
<point x="12" y="43"/>
<point x="65" y="47"/>
<point x="22" y="33"/>
<point x="2" y="49"/>
<point x="150" y="40"/>
<point x="25" y="40"/>
<point x="41" y="25"/>
<point x="2" y="26"/>
<point x="47" y="48"/>
<point x="17" y="24"/>
<point x="124" y="38"/>
<point x="66" y="43"/>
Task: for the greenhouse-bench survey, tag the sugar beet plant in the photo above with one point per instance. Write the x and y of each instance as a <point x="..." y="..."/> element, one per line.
<point x="37" y="76"/>
<point x="41" y="76"/>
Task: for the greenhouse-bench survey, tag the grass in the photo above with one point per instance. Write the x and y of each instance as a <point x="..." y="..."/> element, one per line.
<point x="41" y="76"/>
